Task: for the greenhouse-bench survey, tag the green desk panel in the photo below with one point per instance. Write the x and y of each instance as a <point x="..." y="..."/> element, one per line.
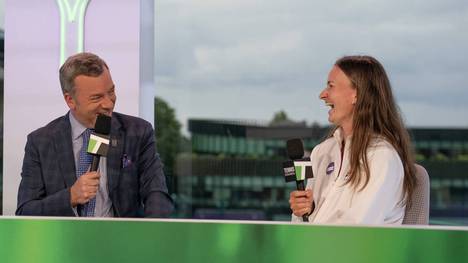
<point x="60" y="240"/>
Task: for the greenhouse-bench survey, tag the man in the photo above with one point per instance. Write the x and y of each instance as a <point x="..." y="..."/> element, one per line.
<point x="130" y="180"/>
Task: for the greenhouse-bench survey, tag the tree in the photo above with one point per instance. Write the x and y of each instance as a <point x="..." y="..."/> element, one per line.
<point x="279" y="117"/>
<point x="168" y="134"/>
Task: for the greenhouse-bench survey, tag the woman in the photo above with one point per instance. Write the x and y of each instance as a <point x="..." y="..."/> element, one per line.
<point x="364" y="172"/>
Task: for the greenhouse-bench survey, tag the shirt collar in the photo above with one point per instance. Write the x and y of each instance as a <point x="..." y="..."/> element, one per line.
<point x="338" y="135"/>
<point x="76" y="127"/>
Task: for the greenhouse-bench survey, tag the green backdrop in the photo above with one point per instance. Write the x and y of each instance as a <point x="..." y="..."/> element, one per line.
<point x="62" y="240"/>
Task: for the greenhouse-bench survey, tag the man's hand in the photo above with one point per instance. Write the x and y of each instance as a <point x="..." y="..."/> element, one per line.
<point x="85" y="188"/>
<point x="301" y="202"/>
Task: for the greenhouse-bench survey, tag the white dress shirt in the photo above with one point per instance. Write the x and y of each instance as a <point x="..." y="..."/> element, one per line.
<point x="103" y="203"/>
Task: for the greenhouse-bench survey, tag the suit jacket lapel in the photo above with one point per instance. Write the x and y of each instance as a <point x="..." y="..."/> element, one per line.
<point x="114" y="155"/>
<point x="64" y="147"/>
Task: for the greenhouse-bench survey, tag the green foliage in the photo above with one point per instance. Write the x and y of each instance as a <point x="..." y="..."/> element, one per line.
<point x="168" y="134"/>
<point x="462" y="157"/>
<point x="440" y="157"/>
<point x="419" y="157"/>
<point x="278" y="117"/>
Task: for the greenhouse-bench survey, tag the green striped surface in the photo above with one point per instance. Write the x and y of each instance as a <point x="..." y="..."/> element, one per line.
<point x="56" y="240"/>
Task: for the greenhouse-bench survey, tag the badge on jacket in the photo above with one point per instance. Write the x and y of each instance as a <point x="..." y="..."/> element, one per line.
<point x="330" y="168"/>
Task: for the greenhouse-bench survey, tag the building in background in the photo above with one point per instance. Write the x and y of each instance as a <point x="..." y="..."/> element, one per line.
<point x="234" y="170"/>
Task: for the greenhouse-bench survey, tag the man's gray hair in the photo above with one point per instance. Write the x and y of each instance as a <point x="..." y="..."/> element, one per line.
<point x="85" y="63"/>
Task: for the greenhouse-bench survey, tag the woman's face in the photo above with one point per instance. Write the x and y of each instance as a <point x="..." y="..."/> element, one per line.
<point x="340" y="96"/>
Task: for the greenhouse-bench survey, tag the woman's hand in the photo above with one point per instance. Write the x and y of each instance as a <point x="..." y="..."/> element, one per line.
<point x="301" y="202"/>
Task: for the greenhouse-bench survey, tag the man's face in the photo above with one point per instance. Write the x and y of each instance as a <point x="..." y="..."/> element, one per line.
<point x="92" y="96"/>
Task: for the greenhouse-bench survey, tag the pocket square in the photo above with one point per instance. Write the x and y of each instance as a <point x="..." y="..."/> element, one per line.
<point x="126" y="161"/>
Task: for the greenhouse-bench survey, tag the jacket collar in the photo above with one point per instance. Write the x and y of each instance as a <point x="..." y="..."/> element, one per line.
<point x="62" y="139"/>
<point x="338" y="135"/>
<point x="115" y="153"/>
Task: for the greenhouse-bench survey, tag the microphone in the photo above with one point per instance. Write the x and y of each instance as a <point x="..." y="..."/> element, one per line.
<point x="99" y="140"/>
<point x="298" y="168"/>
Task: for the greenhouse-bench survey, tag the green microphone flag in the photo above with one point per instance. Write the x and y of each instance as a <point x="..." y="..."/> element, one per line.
<point x="98" y="144"/>
<point x="297" y="170"/>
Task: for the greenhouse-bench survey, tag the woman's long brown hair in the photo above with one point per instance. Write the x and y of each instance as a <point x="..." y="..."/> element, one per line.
<point x="375" y="114"/>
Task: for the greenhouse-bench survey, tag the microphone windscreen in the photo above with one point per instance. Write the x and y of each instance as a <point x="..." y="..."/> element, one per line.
<point x="295" y="149"/>
<point x="103" y="124"/>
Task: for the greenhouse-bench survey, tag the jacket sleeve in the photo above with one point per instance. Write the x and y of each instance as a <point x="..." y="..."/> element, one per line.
<point x="33" y="198"/>
<point x="381" y="199"/>
<point x="153" y="189"/>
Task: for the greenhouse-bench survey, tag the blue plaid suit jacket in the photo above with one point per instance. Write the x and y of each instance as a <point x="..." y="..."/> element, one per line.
<point x="136" y="181"/>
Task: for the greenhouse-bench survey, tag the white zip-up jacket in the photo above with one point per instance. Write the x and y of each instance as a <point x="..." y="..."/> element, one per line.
<point x="380" y="202"/>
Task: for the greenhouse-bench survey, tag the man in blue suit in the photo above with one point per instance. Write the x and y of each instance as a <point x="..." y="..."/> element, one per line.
<point x="130" y="180"/>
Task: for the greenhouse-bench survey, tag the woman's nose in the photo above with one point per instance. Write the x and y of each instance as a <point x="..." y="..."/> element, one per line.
<point x="323" y="94"/>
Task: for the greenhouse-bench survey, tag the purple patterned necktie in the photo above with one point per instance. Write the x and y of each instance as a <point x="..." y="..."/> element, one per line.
<point x="84" y="162"/>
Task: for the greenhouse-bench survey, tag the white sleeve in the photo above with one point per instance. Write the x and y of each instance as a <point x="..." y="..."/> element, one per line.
<point x="295" y="219"/>
<point x="380" y="199"/>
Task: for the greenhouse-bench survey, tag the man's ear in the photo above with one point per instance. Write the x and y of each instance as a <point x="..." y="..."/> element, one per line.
<point x="70" y="101"/>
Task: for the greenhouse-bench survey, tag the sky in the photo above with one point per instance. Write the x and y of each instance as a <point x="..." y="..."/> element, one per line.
<point x="247" y="59"/>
